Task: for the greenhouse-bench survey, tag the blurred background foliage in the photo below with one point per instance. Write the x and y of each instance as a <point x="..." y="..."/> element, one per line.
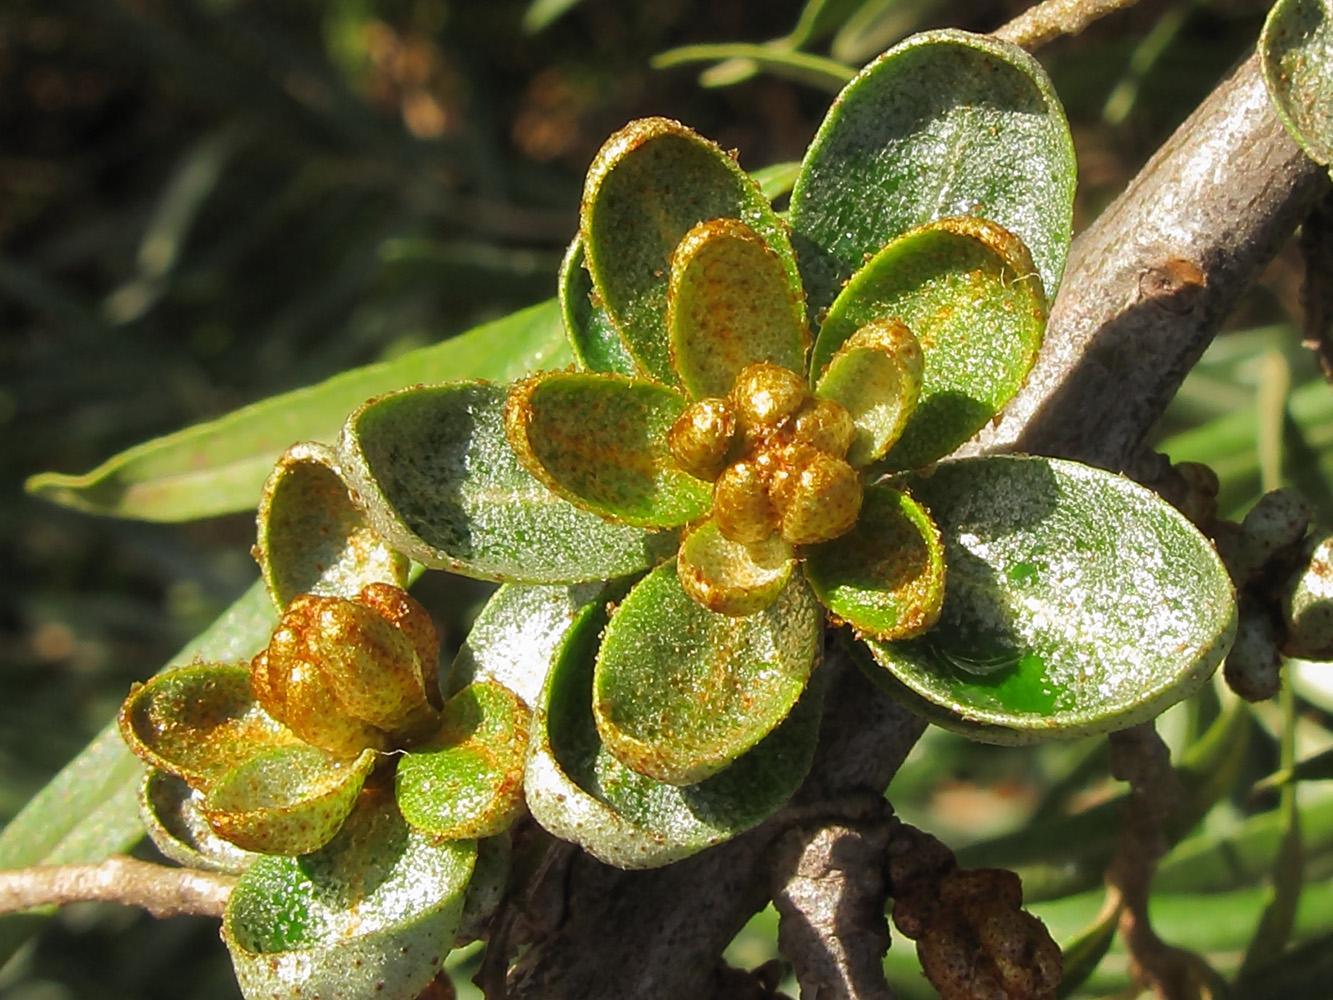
<point x="205" y="202"/>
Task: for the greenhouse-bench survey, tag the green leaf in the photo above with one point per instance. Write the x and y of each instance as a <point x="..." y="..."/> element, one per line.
<point x="516" y="635"/>
<point x="886" y="576"/>
<point x="313" y="539"/>
<point x="578" y="791"/>
<point x="1077" y="602"/>
<point x="875" y="375"/>
<point x="592" y="336"/>
<point x="440" y="482"/>
<point x="600" y="441"/>
<point x="681" y="692"/>
<point x="731" y="302"/>
<point x="219" y="467"/>
<point x="199" y="722"/>
<point x="944" y="124"/>
<point x="776" y="179"/>
<point x="286" y="800"/>
<point x="650" y="184"/>
<point x="368" y="917"/>
<point x="732" y="578"/>
<point x="1084" y="953"/>
<point x="468" y="781"/>
<point x="967" y="291"/>
<point x="1295" y="51"/>
<point x="173" y="815"/>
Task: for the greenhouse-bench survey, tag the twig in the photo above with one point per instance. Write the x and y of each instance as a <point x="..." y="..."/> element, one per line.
<point x="830" y="890"/>
<point x="1049" y="20"/>
<point x="162" y="891"/>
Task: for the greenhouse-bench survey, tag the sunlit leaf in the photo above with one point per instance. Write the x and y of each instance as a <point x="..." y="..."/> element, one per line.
<point x="467" y="782"/>
<point x="651" y="183"/>
<point x="600" y="441"/>
<point x="1295" y="50"/>
<point x="441" y="483"/>
<point x="578" y="791"/>
<point x="286" y="800"/>
<point x="875" y="375"/>
<point x="967" y="291"/>
<point x="312" y="538"/>
<point x="219" y="467"/>
<point x="732" y="578"/>
<point x="199" y="721"/>
<point x="368" y="917"/>
<point x="681" y="691"/>
<point x="886" y="577"/>
<point x="173" y="816"/>
<point x="1077" y="602"/>
<point x="945" y="124"/>
<point x="731" y="302"/>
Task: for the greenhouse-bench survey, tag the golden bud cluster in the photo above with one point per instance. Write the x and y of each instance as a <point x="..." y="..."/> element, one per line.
<point x="776" y="455"/>
<point x="347" y="675"/>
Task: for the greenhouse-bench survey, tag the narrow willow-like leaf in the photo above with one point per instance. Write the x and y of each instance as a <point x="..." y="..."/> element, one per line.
<point x="1077" y="602"/>
<point x="803" y="67"/>
<point x="651" y="183"/>
<point x="313" y="539"/>
<point x="681" y="692"/>
<point x="730" y="304"/>
<point x="592" y="335"/>
<point x="441" y="483"/>
<point x="967" y="291"/>
<point x="468" y="781"/>
<point x="578" y="791"/>
<point x="173" y="816"/>
<point x="368" y="917"/>
<point x="885" y="577"/>
<point x="219" y="467"/>
<point x="199" y="722"/>
<point x="287" y="800"/>
<point x="1296" y="50"/>
<point x="945" y="124"/>
<point x="600" y="441"/>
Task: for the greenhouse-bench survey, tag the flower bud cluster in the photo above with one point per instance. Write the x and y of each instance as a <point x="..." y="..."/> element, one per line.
<point x="348" y="675"/>
<point x="776" y="455"/>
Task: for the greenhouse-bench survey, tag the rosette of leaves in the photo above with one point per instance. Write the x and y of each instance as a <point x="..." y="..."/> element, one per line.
<point x="730" y="465"/>
<point x="329" y="769"/>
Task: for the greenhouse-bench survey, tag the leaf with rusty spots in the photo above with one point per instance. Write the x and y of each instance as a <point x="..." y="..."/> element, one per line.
<point x="313" y="538"/>
<point x="577" y="790"/>
<point x="198" y="722"/>
<point x="287" y="800"/>
<point x="367" y="917"/>
<point x="1295" y="51"/>
<point x="945" y="124"/>
<point x="441" y="483"/>
<point x="876" y="377"/>
<point x="886" y="576"/>
<point x="733" y="578"/>
<point x="600" y="441"/>
<point x="731" y="302"/>
<point x="680" y="692"/>
<point x="1077" y="602"/>
<point x="468" y="781"/>
<point x="968" y="292"/>
<point x="651" y="183"/>
<point x="592" y="335"/>
<point x="173" y="817"/>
